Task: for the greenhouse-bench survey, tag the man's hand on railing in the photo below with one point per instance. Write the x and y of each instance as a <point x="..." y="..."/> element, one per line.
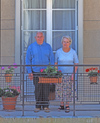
<point x="31" y="76"/>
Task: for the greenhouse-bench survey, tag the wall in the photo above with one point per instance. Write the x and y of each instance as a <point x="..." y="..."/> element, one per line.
<point x="7" y="31"/>
<point x="91" y="32"/>
<point x="50" y="120"/>
<point x="0" y="31"/>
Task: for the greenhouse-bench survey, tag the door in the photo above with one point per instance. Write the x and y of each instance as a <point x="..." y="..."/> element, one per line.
<point x="55" y="18"/>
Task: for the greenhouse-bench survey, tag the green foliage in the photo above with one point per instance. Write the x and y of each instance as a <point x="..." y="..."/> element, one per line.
<point x="10" y="70"/>
<point x="8" y="92"/>
<point x="51" y="72"/>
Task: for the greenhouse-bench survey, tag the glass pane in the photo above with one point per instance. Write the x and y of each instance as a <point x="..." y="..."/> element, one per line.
<point x="63" y="20"/>
<point x="56" y="39"/>
<point x="29" y="37"/>
<point x="63" y="4"/>
<point x="32" y="4"/>
<point x="35" y="20"/>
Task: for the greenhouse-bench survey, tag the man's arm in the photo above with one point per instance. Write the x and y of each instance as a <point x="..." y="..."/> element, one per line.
<point x="29" y="62"/>
<point x="30" y="75"/>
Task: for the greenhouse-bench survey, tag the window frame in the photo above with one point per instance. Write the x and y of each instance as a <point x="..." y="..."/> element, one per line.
<point x="18" y="48"/>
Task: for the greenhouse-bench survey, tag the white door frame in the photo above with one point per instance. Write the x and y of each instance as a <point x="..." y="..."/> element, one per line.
<point x="18" y="31"/>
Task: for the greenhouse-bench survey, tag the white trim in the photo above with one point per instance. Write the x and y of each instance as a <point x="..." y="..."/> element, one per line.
<point x="80" y="31"/>
<point x="49" y="22"/>
<point x="76" y="29"/>
<point x="17" y="31"/>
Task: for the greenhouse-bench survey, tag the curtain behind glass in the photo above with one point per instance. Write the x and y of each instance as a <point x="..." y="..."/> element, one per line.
<point x="33" y="20"/>
<point x="63" y="4"/>
<point x="63" y="22"/>
<point x="33" y="4"/>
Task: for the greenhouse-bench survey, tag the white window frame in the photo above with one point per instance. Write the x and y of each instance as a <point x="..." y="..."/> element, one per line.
<point x="18" y="31"/>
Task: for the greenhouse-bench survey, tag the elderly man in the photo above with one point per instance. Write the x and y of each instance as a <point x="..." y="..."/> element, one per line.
<point x="39" y="53"/>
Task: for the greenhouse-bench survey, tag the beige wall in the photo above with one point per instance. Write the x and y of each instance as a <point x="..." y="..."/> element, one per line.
<point x="91" y="32"/>
<point x="7" y="31"/>
<point x="0" y="31"/>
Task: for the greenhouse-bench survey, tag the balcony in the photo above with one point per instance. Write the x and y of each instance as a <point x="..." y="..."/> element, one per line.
<point x="85" y="96"/>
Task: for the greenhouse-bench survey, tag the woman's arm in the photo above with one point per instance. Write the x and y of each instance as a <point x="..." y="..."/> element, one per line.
<point x="76" y="67"/>
<point x="56" y="64"/>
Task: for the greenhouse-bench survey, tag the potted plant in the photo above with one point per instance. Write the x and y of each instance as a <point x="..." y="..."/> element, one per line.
<point x="50" y="75"/>
<point x="8" y="72"/>
<point x="93" y="74"/>
<point x="9" y="96"/>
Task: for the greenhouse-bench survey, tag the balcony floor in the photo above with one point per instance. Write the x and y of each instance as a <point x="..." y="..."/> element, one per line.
<point x="81" y="111"/>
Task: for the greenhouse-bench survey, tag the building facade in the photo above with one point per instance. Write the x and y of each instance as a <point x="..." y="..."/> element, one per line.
<point x="15" y="31"/>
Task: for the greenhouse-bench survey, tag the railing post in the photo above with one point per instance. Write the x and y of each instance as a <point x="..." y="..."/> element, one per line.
<point x="74" y="92"/>
<point x="23" y="91"/>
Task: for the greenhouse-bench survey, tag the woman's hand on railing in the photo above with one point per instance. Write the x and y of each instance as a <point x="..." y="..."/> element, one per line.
<point x="31" y="76"/>
<point x="72" y="77"/>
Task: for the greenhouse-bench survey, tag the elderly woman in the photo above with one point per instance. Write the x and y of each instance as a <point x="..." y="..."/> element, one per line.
<point x="64" y="56"/>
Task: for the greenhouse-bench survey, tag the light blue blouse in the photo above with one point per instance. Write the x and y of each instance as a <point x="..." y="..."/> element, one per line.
<point x="63" y="58"/>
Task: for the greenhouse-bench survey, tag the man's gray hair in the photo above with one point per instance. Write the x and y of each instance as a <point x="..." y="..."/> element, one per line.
<point x="67" y="37"/>
<point x="39" y="32"/>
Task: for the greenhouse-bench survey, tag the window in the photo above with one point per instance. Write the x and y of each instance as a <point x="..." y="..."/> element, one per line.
<point x="56" y="18"/>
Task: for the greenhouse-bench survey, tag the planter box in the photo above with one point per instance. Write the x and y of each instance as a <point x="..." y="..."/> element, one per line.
<point x="49" y="80"/>
<point x="8" y="77"/>
<point x="9" y="103"/>
<point x="93" y="80"/>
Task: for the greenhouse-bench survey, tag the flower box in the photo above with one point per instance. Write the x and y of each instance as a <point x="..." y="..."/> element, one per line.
<point x="9" y="103"/>
<point x="50" y="80"/>
<point x="9" y="96"/>
<point x="8" y="77"/>
<point x="93" y="79"/>
<point x="93" y="74"/>
<point x="9" y="72"/>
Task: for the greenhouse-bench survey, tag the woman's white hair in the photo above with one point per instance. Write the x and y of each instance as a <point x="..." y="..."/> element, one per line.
<point x="67" y="37"/>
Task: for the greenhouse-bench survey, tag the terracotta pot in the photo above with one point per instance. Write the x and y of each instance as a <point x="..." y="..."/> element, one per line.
<point x="52" y="96"/>
<point x="49" y="80"/>
<point x="9" y="103"/>
<point x="93" y="79"/>
<point x="8" y="77"/>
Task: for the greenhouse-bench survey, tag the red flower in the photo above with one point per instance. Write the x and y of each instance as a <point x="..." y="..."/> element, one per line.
<point x="94" y="68"/>
<point x="91" y="68"/>
<point x="59" y="70"/>
<point x="87" y="70"/>
<point x="16" y="88"/>
<point x="41" y="70"/>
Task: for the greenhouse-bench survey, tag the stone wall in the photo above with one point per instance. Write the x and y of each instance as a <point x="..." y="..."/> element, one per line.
<point x="0" y="31"/>
<point x="7" y="31"/>
<point x="91" y="32"/>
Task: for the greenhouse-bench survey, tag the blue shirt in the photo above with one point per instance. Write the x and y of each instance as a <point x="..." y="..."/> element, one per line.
<point x="39" y="55"/>
<point x="66" y="58"/>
